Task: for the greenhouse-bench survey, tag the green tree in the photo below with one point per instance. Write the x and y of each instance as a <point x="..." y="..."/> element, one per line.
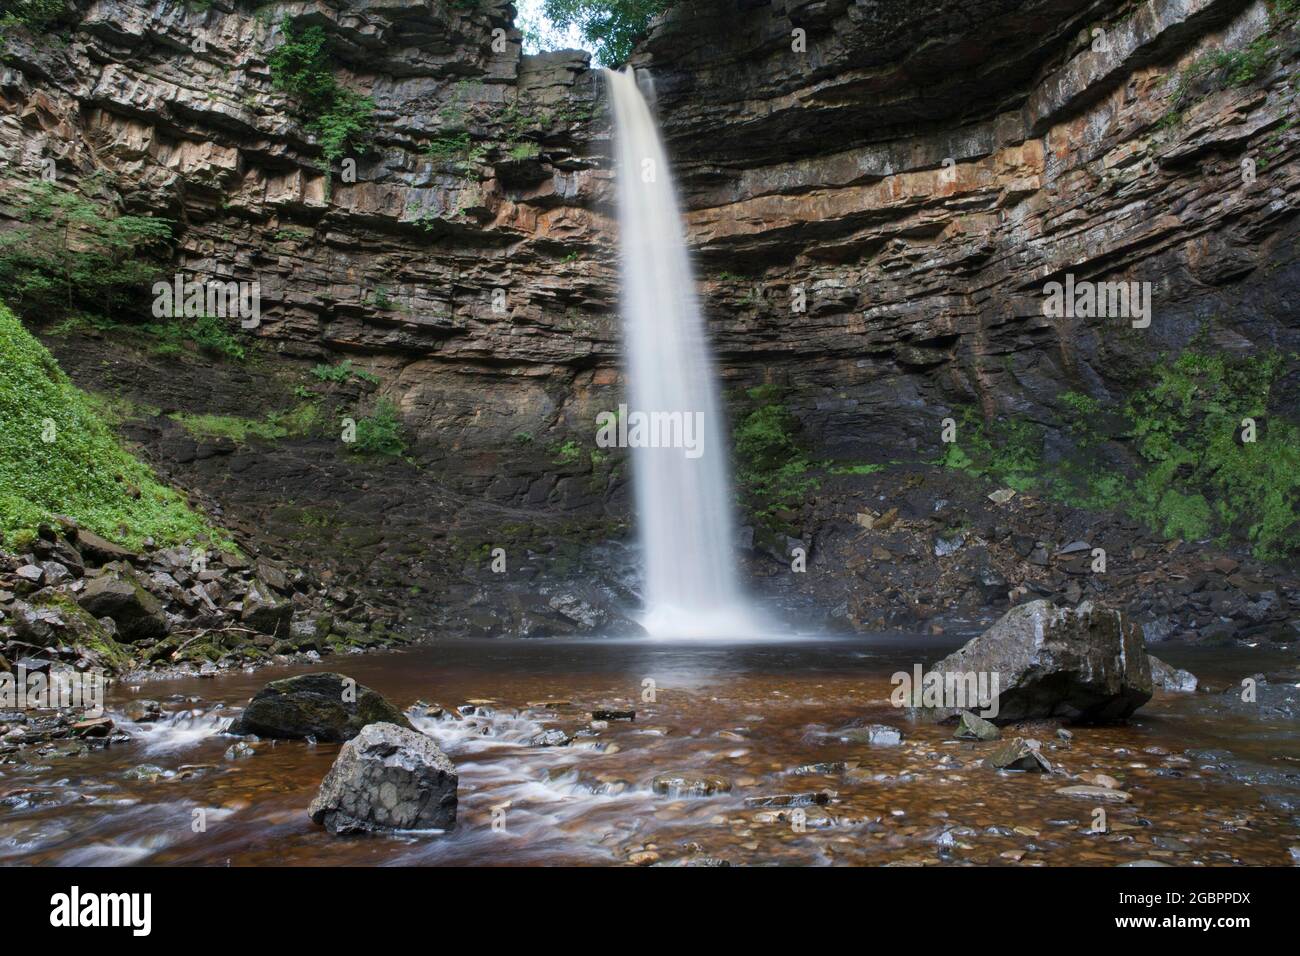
<point x="70" y="253"/>
<point x="612" y="26"/>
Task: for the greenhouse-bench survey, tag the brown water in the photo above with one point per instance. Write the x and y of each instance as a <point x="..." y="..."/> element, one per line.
<point x="1212" y="780"/>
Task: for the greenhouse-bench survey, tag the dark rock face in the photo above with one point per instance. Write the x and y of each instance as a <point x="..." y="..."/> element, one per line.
<point x="387" y="778"/>
<point x="328" y="707"/>
<point x="1084" y="664"/>
<point x="115" y="593"/>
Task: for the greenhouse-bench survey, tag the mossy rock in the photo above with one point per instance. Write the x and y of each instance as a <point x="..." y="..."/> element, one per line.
<point x="82" y="632"/>
<point x="328" y="707"/>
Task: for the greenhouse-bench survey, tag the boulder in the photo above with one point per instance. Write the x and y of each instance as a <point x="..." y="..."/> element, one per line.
<point x="387" y="778"/>
<point x="328" y="707"/>
<point x="265" y="611"/>
<point x="116" y="593"/>
<point x="1087" y="664"/>
<point x="1018" y="754"/>
<point x="972" y="726"/>
<point x="96" y="550"/>
<point x="1167" y="677"/>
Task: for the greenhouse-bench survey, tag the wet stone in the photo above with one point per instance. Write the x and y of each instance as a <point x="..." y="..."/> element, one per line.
<point x="690" y="784"/>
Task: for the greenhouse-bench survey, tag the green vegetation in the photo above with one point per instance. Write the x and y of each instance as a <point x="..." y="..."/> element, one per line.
<point x="58" y="456"/>
<point x="342" y="372"/>
<point x="299" y="420"/>
<point x="35" y="15"/>
<point x="1194" y="476"/>
<point x="568" y="453"/>
<point x="611" y="26"/>
<point x="1222" y="69"/>
<point x="341" y="119"/>
<point x="381" y="432"/>
<point x="70" y="254"/>
<point x="457" y="152"/>
<point x="208" y="333"/>
<point x="772" y="469"/>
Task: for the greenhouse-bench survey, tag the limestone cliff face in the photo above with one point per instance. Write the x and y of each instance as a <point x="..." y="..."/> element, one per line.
<point x="919" y="171"/>
<point x="175" y="108"/>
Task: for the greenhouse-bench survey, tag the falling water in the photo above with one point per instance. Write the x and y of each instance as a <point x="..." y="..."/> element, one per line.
<point x="683" y="501"/>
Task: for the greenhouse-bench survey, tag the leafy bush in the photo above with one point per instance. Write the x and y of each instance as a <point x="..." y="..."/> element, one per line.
<point x="71" y="254"/>
<point x="381" y="432"/>
<point x="209" y="333"/>
<point x="1192" y="475"/>
<point x="36" y="15"/>
<point x="342" y="372"/>
<point x="341" y="119"/>
<point x="82" y="471"/>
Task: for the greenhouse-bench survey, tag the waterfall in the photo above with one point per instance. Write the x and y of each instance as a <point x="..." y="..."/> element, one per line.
<point x="682" y="495"/>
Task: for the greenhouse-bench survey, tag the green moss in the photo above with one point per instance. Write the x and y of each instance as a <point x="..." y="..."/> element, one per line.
<point x="1192" y="476"/>
<point x="568" y="453"/>
<point x="81" y="470"/>
<point x="302" y="419"/>
<point x="772" y="468"/>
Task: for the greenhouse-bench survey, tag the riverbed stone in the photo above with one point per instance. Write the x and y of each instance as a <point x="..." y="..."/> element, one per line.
<point x="264" y="610"/>
<point x="1168" y="677"/>
<point x="388" y="777"/>
<point x="327" y="707"/>
<point x="1087" y="664"/>
<point x="1018" y="754"/>
<point x="974" y="727"/>
<point x="116" y="593"/>
<point x="689" y="783"/>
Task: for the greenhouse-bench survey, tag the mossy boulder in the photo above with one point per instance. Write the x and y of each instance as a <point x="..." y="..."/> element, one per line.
<point x="328" y="707"/>
<point x="117" y="593"/>
<point x="74" y="627"/>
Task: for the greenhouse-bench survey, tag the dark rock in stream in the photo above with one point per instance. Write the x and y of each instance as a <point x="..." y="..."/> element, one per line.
<point x="387" y="778"/>
<point x="1087" y="664"/>
<point x="328" y="707"/>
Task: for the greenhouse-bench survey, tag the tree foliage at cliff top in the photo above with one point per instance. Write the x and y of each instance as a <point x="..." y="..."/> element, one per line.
<point x="611" y="26"/>
<point x="83" y="471"/>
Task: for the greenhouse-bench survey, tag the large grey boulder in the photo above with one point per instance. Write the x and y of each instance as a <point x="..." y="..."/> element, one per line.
<point x="329" y="707"/>
<point x="1085" y="664"/>
<point x="116" y="593"/>
<point x="387" y="778"/>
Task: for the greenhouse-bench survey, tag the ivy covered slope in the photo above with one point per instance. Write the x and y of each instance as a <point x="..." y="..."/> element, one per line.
<point x="59" y="457"/>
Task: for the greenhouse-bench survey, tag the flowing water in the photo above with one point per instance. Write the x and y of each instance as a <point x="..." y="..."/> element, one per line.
<point x="682" y="493"/>
<point x="1211" y="781"/>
